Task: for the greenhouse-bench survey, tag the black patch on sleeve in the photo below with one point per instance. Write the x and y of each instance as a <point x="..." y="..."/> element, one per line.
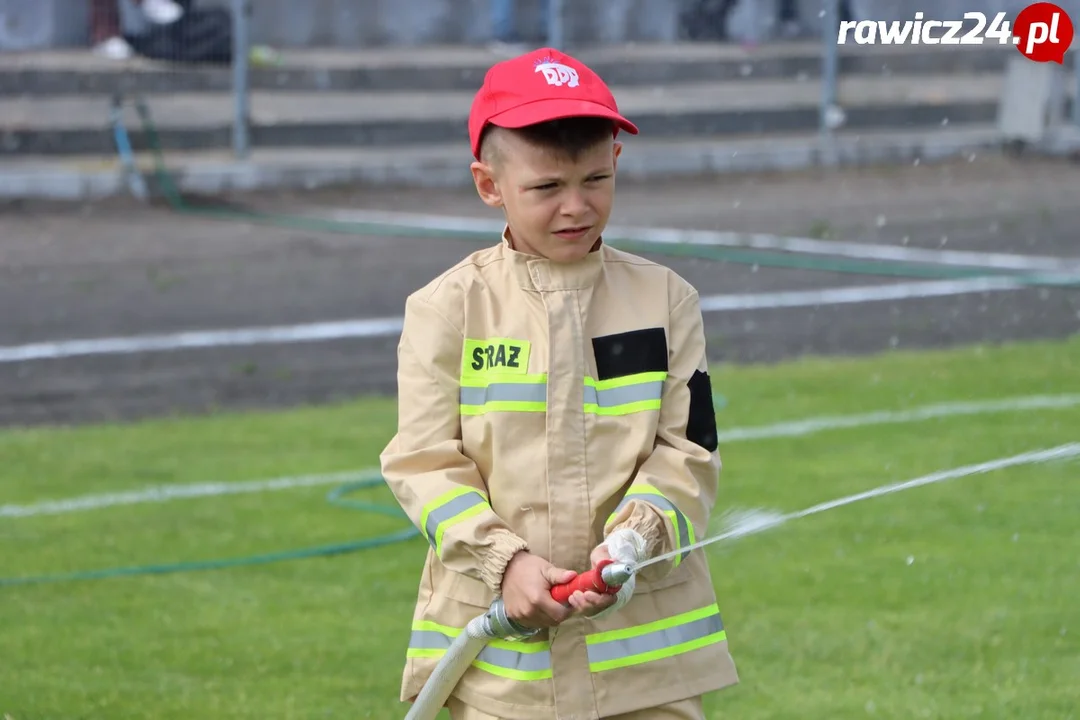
<point x="701" y="421"/>
<point x="630" y="353"/>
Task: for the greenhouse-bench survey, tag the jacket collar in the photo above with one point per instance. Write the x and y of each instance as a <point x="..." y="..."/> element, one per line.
<point x="536" y="273"/>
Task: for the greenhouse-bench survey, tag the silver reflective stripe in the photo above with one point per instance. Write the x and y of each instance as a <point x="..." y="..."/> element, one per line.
<point x="655" y="640"/>
<point x="681" y="523"/>
<point x="613" y="397"/>
<point x="429" y="640"/>
<point x="523" y="662"/>
<point x="499" y="657"/>
<point x="444" y="512"/>
<point x="504" y="392"/>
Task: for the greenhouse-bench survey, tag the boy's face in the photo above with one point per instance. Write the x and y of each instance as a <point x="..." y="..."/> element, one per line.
<point x="556" y="207"/>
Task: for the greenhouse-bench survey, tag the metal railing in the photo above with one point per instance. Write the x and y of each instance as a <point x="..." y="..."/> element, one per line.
<point x="557" y="37"/>
<point x="560" y="33"/>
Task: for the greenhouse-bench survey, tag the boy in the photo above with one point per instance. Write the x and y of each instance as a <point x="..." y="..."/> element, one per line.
<point x="555" y="409"/>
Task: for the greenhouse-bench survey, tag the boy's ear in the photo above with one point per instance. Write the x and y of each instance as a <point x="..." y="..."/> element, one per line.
<point x="486" y="187"/>
<point x="616" y="150"/>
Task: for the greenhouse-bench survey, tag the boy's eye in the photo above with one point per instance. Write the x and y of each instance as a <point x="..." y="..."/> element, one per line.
<point x="598" y="178"/>
<point x="546" y="186"/>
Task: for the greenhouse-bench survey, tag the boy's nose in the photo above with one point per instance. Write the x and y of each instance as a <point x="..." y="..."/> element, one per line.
<point x="574" y="204"/>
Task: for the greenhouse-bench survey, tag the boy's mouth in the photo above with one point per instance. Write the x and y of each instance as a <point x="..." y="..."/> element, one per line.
<point x="573" y="233"/>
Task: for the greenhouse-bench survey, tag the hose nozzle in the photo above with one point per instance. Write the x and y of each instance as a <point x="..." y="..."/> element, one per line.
<point x="616" y="574"/>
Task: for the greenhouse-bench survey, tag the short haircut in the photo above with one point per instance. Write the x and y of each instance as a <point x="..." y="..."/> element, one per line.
<point x="568" y="137"/>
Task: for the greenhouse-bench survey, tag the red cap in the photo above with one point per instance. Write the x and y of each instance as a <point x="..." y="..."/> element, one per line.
<point x="538" y="86"/>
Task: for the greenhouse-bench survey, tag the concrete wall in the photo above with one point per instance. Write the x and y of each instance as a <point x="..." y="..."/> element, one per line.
<point x="27" y="24"/>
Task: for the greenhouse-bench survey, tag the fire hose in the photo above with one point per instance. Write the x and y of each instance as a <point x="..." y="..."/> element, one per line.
<point x="606" y="578"/>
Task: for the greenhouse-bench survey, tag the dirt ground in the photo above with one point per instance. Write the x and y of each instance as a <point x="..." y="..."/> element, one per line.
<point x="116" y="268"/>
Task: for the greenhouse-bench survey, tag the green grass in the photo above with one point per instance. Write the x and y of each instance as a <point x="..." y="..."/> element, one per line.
<point x="956" y="600"/>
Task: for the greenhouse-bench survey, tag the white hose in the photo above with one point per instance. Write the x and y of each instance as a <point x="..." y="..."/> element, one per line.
<point x="466" y="646"/>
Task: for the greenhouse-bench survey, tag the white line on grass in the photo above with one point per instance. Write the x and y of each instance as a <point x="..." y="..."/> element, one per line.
<point x="391" y="326"/>
<point x="757" y="241"/>
<point x="810" y="426"/>
<point x="166" y="493"/>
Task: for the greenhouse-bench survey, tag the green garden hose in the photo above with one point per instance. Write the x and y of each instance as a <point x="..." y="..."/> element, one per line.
<point x="334" y="497"/>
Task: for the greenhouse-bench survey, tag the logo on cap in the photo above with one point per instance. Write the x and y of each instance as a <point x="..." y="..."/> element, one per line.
<point x="556" y="73"/>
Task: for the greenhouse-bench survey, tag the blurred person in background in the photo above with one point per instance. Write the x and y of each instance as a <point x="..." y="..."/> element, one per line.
<point x="168" y="30"/>
<point x="708" y="19"/>
<point x="504" y="25"/>
<point x="790" y="25"/>
<point x="106" y="33"/>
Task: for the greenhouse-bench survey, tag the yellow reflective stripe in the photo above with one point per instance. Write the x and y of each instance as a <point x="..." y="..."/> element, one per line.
<point x="496" y="392"/>
<point x="624" y="395"/>
<point x="624" y="409"/>
<point x="625" y="380"/>
<point x="510" y="674"/>
<point x="656" y="640"/>
<point x="684" y="529"/>
<point x="449" y="509"/>
<point x="495" y="378"/>
<point x="511" y="660"/>
<point x="503" y="407"/>
<point x="436" y="627"/>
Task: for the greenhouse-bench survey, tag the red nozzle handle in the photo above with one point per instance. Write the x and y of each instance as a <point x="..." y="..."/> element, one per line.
<point x="591" y="580"/>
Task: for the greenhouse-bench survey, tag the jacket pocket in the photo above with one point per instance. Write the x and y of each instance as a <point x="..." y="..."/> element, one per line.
<point x="461" y="588"/>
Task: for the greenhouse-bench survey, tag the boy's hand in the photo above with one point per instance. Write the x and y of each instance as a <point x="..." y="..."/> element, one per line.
<point x="590" y="603"/>
<point x="526" y="591"/>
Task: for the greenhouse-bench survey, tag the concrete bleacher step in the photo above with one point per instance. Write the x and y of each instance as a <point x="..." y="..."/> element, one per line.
<point x="462" y="68"/>
<point x="78" y="124"/>
<point x="81" y="177"/>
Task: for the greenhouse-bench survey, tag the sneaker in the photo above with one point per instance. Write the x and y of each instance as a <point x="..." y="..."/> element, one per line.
<point x="162" y="12"/>
<point x="115" y="48"/>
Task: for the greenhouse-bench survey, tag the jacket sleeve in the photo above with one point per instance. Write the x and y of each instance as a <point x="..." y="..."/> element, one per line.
<point x="671" y="497"/>
<point x="436" y="484"/>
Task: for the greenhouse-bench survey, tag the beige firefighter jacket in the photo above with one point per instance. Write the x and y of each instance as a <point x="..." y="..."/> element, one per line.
<point x="542" y="405"/>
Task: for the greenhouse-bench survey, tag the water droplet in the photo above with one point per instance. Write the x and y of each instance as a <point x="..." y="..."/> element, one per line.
<point x="971" y="157"/>
<point x="906" y="240"/>
<point x="821" y="13"/>
<point x="910" y="559"/>
<point x="919" y="679"/>
<point x="870" y="706"/>
<point x="944" y="122"/>
<point x="944" y="239"/>
<point x="1044" y="294"/>
<point x="881" y="221"/>
<point x="746" y="69"/>
<point x="980" y="508"/>
<point x="917" y="161"/>
<point x="736" y="204"/>
<point x="1016" y="537"/>
<point x="754" y="268"/>
<point x="894" y="341"/>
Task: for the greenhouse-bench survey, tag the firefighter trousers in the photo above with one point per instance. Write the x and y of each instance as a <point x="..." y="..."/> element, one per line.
<point x="690" y="709"/>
